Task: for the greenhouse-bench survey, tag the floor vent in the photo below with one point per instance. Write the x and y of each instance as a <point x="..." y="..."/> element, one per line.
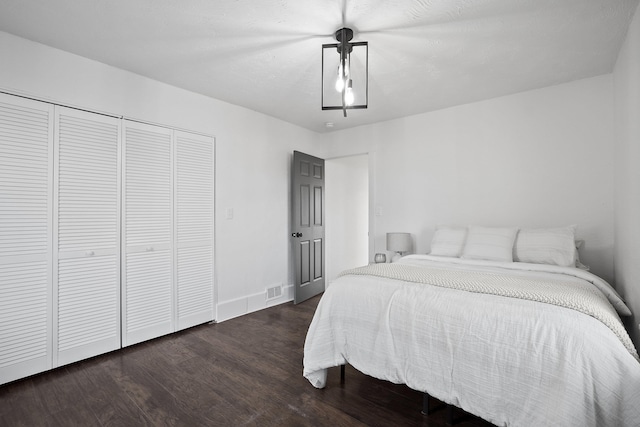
<point x="274" y="292"/>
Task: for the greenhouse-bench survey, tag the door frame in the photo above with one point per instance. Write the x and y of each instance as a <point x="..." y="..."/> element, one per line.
<point x="335" y="240"/>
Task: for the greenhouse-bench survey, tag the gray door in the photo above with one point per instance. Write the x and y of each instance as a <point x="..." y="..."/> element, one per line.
<point x="307" y="232"/>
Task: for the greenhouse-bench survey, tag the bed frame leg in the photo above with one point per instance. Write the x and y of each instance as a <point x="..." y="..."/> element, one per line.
<point x="342" y="373"/>
<point x="425" y="404"/>
<point x="429" y="409"/>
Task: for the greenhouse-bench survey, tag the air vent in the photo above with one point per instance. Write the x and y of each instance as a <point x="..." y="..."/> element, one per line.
<point x="274" y="292"/>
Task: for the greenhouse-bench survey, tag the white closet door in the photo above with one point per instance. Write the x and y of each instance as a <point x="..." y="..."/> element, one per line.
<point x="87" y="235"/>
<point x="148" y="262"/>
<point x="194" y="224"/>
<point x="26" y="171"/>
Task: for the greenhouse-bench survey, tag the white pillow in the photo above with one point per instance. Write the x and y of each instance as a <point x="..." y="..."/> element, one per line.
<point x="555" y="246"/>
<point x="581" y="266"/>
<point x="448" y="241"/>
<point x="490" y="243"/>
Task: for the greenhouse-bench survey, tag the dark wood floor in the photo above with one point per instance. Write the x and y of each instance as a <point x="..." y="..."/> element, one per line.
<point x="245" y="371"/>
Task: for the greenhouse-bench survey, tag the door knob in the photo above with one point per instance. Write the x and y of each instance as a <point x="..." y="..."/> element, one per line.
<point x="296" y="234"/>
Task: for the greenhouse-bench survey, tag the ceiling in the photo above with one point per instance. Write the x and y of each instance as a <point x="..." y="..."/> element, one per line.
<point x="265" y="55"/>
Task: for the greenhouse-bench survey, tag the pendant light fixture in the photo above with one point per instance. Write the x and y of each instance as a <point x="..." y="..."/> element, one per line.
<point x="345" y="73"/>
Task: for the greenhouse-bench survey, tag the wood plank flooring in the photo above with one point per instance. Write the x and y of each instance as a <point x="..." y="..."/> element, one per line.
<point x="245" y="371"/>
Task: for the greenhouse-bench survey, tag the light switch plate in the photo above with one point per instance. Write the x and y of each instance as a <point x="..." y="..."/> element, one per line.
<point x="228" y="213"/>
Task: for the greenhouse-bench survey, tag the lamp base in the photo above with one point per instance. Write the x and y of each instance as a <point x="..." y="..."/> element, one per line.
<point x="396" y="257"/>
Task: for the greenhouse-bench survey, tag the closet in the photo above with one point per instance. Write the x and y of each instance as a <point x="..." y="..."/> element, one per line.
<point x="168" y="231"/>
<point x="106" y="234"/>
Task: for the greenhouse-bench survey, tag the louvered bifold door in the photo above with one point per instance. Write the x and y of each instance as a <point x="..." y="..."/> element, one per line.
<point x="194" y="224"/>
<point x="87" y="235"/>
<point x="26" y="191"/>
<point x="148" y="234"/>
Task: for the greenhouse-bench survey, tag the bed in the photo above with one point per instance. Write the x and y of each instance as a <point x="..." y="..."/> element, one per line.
<point x="515" y="342"/>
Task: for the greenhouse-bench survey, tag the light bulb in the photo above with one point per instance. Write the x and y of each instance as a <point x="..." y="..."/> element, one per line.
<point x="340" y="80"/>
<point x="349" y="97"/>
<point x="339" y="84"/>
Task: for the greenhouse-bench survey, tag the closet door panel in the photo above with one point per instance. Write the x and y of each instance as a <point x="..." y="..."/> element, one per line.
<point x="87" y="323"/>
<point x="149" y="295"/>
<point x="26" y="197"/>
<point x="195" y="286"/>
<point x="148" y="233"/>
<point x="87" y="235"/>
<point x="194" y="229"/>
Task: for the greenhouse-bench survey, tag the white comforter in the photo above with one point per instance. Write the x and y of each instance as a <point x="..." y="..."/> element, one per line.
<point x="511" y="361"/>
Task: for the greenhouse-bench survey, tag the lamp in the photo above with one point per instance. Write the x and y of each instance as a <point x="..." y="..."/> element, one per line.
<point x="345" y="75"/>
<point x="398" y="243"/>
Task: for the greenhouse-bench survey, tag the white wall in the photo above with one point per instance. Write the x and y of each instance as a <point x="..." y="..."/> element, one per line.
<point x="627" y="173"/>
<point x="347" y="213"/>
<point x="253" y="157"/>
<point x="535" y="159"/>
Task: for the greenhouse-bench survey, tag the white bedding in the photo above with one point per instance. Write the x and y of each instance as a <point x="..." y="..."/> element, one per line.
<point x="511" y="361"/>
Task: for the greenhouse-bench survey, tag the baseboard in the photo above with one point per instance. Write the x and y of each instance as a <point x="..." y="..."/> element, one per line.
<point x="244" y="305"/>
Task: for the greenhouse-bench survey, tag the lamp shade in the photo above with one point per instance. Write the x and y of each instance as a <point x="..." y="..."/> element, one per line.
<point x="399" y="242"/>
